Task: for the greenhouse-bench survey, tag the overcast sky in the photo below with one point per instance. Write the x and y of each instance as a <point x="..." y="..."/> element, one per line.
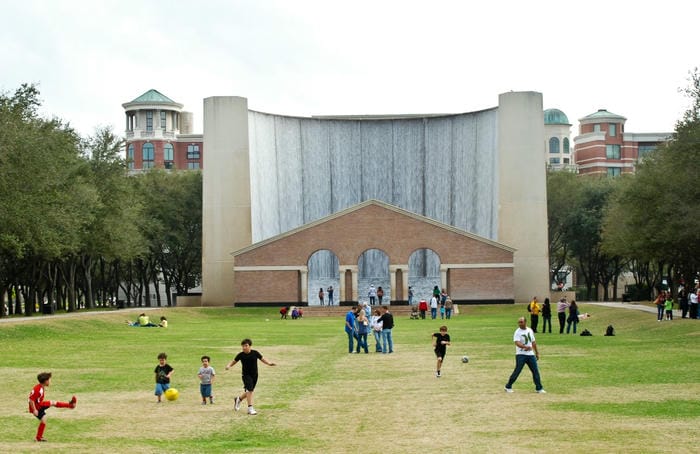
<point x="303" y="57"/>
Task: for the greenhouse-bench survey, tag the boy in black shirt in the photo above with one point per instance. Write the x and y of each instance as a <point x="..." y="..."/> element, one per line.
<point x="249" y="363"/>
<point x="440" y="342"/>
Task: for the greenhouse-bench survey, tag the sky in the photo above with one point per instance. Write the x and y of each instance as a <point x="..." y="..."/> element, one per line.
<point x="308" y="57"/>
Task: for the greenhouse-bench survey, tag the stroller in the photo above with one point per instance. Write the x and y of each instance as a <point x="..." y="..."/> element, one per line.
<point x="414" y="313"/>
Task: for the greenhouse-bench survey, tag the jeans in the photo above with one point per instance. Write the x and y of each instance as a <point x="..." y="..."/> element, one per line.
<point x="562" y="321"/>
<point x="362" y="342"/>
<point x="351" y="337"/>
<point x="659" y="311"/>
<point x="433" y="312"/>
<point x="377" y="341"/>
<point x="534" y="321"/>
<point x="569" y="323"/>
<point x="388" y="342"/>
<point x="546" y="320"/>
<point x="520" y="361"/>
<point x="448" y="313"/>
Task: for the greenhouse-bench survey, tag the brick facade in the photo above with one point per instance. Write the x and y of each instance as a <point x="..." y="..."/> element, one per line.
<point x="477" y="269"/>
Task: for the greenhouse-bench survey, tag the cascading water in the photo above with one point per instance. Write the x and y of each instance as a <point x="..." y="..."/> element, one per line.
<point x="303" y="169"/>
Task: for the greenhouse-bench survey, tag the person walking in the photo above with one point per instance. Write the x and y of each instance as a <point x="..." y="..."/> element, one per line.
<point x="525" y="353"/>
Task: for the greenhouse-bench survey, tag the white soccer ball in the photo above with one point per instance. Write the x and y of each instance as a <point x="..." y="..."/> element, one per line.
<point x="465" y="359"/>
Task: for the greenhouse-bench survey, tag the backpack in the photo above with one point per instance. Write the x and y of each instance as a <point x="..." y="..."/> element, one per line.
<point x="528" y="307"/>
<point x="610" y="331"/>
<point x="585" y="332"/>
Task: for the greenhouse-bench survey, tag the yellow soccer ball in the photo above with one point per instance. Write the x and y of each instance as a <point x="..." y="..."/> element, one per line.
<point x="172" y="394"/>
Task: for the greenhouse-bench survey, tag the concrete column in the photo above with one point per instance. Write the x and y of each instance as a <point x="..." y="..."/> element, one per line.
<point x="226" y="206"/>
<point x="305" y="286"/>
<point x="392" y="280"/>
<point x="522" y="191"/>
<point x="443" y="275"/>
<point x="355" y="283"/>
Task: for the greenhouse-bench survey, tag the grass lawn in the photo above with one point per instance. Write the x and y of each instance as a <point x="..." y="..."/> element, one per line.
<point x="636" y="392"/>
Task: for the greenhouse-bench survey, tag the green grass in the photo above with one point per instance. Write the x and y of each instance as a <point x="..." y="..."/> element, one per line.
<point x="635" y="392"/>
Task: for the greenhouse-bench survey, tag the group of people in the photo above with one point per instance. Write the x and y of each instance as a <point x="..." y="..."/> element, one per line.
<point x="291" y="311"/>
<point x="375" y="295"/>
<point x="687" y="301"/>
<point x="440" y="302"/>
<point x="545" y="310"/>
<point x="144" y="320"/>
<point x="361" y="320"/>
<point x="322" y="295"/>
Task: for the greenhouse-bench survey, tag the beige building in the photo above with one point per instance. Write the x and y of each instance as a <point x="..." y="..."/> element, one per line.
<point x="480" y="173"/>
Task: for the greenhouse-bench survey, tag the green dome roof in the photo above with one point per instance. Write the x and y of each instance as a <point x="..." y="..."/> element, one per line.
<point x="555" y="117"/>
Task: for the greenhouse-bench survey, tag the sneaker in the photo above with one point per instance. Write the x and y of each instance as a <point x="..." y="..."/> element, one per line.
<point x="73" y="402"/>
<point x="251" y="411"/>
<point x="541" y="391"/>
<point x="204" y="402"/>
<point x="40" y="439"/>
<point x="211" y="401"/>
<point x="508" y="390"/>
<point x="437" y="374"/>
<point x="237" y="404"/>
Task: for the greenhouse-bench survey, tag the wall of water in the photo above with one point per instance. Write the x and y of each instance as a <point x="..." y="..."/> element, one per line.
<point x="303" y="169"/>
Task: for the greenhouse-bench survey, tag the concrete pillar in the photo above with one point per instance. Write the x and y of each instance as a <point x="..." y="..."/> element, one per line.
<point x="226" y="206"/>
<point x="522" y="191"/>
<point x="305" y="286"/>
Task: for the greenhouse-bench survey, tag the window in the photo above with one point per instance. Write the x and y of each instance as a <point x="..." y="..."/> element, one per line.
<point x="148" y="154"/>
<point x="566" y="145"/>
<point x="554" y="145"/>
<point x="554" y="160"/>
<point x="612" y="129"/>
<point x="162" y="120"/>
<point x="193" y="165"/>
<point x="596" y="128"/>
<point x="612" y="151"/>
<point x="130" y="155"/>
<point x="168" y="156"/>
<point x="614" y="171"/>
<point x="566" y="160"/>
<point x="645" y="149"/>
<point x="149" y="120"/>
<point x="193" y="152"/>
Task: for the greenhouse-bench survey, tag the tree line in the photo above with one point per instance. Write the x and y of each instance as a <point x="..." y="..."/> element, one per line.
<point x="644" y="223"/>
<point x="76" y="230"/>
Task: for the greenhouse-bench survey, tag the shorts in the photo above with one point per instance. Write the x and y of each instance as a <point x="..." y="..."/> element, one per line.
<point x="205" y="390"/>
<point x="42" y="412"/>
<point x="440" y="353"/>
<point x="161" y="388"/>
<point x="249" y="382"/>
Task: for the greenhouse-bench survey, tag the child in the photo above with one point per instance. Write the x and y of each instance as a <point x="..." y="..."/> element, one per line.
<point x="163" y="373"/>
<point x="249" y="362"/>
<point x="668" y="306"/>
<point x="440" y="342"/>
<point x="206" y="378"/>
<point x="163" y="322"/>
<point x="38" y="406"/>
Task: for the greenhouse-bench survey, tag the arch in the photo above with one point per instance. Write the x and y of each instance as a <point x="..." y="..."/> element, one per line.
<point x="554" y="145"/>
<point x="323" y="266"/>
<point x="373" y="269"/>
<point x="424" y="272"/>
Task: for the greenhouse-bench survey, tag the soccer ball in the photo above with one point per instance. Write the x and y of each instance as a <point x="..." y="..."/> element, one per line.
<point x="172" y="394"/>
<point x="465" y="359"/>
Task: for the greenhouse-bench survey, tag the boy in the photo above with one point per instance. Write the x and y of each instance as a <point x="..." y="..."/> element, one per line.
<point x="249" y="363"/>
<point x="440" y="342"/>
<point x="38" y="406"/>
<point x="206" y="378"/>
<point x="163" y="373"/>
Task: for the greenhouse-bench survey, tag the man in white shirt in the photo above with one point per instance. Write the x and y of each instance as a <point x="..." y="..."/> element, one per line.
<point x="525" y="353"/>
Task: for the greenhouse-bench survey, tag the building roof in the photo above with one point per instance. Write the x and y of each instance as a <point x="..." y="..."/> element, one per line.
<point x="555" y="117"/>
<point x="603" y="114"/>
<point x="152" y="99"/>
<point x="152" y="96"/>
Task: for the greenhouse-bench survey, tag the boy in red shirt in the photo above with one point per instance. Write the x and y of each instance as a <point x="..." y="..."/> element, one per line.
<point x="38" y="406"/>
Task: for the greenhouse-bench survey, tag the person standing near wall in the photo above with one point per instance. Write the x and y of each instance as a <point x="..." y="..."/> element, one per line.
<point x="330" y="295"/>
